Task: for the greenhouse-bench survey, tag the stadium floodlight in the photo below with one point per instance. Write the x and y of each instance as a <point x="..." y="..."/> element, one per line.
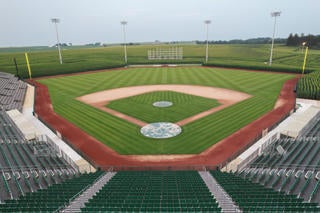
<point x="275" y="15"/>
<point x="124" y="23"/>
<point x="56" y="21"/>
<point x="207" y="22"/>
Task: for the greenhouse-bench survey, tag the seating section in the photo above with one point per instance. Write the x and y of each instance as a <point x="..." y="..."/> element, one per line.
<point x="12" y="92"/>
<point x="314" y="131"/>
<point x="252" y="197"/>
<point x="53" y="198"/>
<point x="294" y="171"/>
<point x="26" y="166"/>
<point x="8" y="129"/>
<point x="298" y="154"/>
<point x="154" y="191"/>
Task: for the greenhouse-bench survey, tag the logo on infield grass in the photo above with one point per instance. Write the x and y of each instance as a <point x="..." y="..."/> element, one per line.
<point x="162" y="104"/>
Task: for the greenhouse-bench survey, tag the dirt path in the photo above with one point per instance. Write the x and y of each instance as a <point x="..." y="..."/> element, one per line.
<point x="225" y="97"/>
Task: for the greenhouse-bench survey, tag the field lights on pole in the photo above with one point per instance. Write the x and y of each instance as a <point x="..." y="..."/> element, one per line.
<point x="56" y="21"/>
<point x="207" y="22"/>
<point x="275" y="15"/>
<point x="124" y="23"/>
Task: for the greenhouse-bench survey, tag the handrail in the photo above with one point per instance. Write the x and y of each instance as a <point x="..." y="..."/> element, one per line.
<point x="79" y="193"/>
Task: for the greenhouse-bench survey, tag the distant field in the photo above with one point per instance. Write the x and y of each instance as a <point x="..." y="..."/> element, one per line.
<point x="125" y="137"/>
<point x="45" y="61"/>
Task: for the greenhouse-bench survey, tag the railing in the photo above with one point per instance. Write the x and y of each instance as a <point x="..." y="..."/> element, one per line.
<point x="60" y="152"/>
<point x="159" y="168"/>
<point x="79" y="193"/>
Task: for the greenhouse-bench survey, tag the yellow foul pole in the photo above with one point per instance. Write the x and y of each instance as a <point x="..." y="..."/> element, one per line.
<point x="305" y="60"/>
<point x="28" y="65"/>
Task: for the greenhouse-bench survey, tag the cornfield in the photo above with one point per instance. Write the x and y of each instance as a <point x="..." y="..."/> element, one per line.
<point x="309" y="86"/>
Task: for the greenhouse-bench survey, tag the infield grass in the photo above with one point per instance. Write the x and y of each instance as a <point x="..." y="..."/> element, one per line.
<point x="141" y="106"/>
<point x="125" y="137"/>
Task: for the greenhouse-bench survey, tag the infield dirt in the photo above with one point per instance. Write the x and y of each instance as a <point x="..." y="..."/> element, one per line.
<point x="225" y="97"/>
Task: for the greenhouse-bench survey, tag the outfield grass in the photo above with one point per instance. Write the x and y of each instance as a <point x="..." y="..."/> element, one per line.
<point x="46" y="62"/>
<point x="141" y="106"/>
<point x="125" y="137"/>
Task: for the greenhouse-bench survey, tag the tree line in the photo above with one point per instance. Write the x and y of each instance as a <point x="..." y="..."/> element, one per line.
<point x="312" y="41"/>
<point x="263" y="40"/>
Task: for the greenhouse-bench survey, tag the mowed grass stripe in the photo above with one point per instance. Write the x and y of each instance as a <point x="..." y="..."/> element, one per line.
<point x="99" y="129"/>
<point x="216" y="124"/>
<point x="125" y="137"/>
<point x="141" y="106"/>
<point x="125" y="134"/>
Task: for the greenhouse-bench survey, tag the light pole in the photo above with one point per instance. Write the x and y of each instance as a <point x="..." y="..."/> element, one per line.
<point x="124" y="23"/>
<point x="56" y="21"/>
<point x="275" y="15"/>
<point x="207" y="22"/>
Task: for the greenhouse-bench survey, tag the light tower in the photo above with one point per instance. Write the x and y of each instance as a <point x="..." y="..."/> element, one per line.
<point x="124" y="23"/>
<point x="275" y="15"/>
<point x="207" y="22"/>
<point x="56" y="21"/>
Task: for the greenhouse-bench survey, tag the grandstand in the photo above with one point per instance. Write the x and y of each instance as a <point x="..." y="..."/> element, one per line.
<point x="290" y="165"/>
<point x="27" y="166"/>
<point x="41" y="173"/>
<point x="12" y="92"/>
<point x="255" y="198"/>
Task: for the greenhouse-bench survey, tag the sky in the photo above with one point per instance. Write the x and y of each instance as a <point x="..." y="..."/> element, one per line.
<point x="27" y="22"/>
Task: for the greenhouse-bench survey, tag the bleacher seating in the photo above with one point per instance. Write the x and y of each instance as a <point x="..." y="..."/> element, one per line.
<point x="154" y="191"/>
<point x="52" y="198"/>
<point x="12" y="92"/>
<point x="252" y="197"/>
<point x="294" y="171"/>
<point x="312" y="129"/>
<point x="26" y="166"/>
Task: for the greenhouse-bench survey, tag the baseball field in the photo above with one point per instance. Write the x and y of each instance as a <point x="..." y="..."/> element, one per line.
<point x="260" y="88"/>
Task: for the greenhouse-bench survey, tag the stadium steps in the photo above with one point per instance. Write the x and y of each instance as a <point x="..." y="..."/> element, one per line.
<point x="225" y="201"/>
<point x="52" y="198"/>
<point x="153" y="191"/>
<point x="253" y="197"/>
<point x="83" y="198"/>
